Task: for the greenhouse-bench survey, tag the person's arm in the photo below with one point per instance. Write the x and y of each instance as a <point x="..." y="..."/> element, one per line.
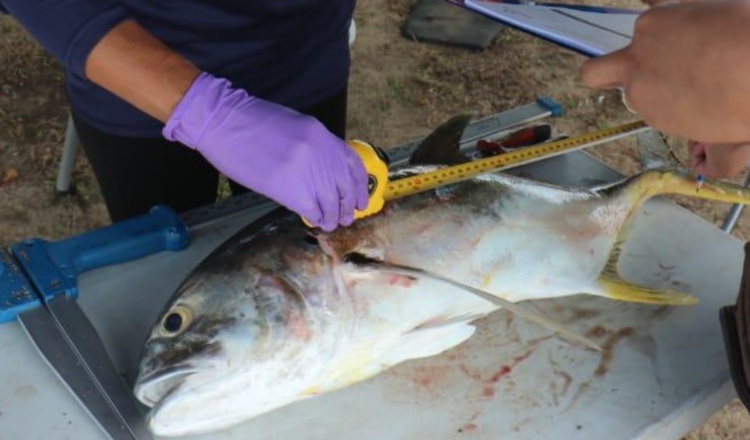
<point x="98" y="40"/>
<point x="132" y="64"/>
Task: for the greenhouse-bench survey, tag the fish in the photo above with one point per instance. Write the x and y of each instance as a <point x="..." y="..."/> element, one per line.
<point x="280" y="312"/>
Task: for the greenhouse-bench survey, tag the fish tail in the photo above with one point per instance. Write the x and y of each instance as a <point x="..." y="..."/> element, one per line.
<point x="619" y="289"/>
<point x="611" y="285"/>
<point x="682" y="182"/>
<point x="664" y="175"/>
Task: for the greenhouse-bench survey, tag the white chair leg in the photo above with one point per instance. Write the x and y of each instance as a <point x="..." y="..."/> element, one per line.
<point x="352" y="32"/>
<point x="68" y="159"/>
<point x="735" y="212"/>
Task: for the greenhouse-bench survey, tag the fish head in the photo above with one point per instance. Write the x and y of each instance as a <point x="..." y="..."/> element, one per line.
<point x="244" y="334"/>
<point x="187" y="340"/>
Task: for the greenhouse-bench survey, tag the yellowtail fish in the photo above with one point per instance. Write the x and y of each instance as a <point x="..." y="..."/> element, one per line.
<point x="280" y="313"/>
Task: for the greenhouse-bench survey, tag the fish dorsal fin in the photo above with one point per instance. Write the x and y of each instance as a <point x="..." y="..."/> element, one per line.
<point x="654" y="151"/>
<point x="397" y="269"/>
<point x="442" y="146"/>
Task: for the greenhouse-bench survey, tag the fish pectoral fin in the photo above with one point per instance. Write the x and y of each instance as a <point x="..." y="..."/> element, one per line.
<point x="614" y="287"/>
<point x="443" y="321"/>
<point x="362" y="260"/>
<point x="415" y="344"/>
<point x="422" y="342"/>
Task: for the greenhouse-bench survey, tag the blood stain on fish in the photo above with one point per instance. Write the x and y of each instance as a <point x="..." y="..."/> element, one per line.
<point x="488" y="388"/>
<point x="597" y="332"/>
<point x="509" y="322"/>
<point x="426" y="227"/>
<point x="299" y="327"/>
<point x="582" y="389"/>
<point x="400" y="280"/>
<point x="428" y="375"/>
<point x="567" y="380"/>
<point x="466" y="371"/>
<point x="608" y="350"/>
<point x="488" y="391"/>
<point x="582" y="313"/>
<point x="559" y="373"/>
<point x="504" y="371"/>
<point x="469" y="427"/>
<point x="423" y="380"/>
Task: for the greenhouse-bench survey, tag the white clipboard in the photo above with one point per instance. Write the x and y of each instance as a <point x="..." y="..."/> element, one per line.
<point x="589" y="30"/>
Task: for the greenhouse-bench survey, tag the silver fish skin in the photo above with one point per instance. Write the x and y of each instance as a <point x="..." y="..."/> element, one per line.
<point x="278" y="315"/>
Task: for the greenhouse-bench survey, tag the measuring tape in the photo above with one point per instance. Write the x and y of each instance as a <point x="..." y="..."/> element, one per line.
<point x="380" y="189"/>
<point x="426" y="181"/>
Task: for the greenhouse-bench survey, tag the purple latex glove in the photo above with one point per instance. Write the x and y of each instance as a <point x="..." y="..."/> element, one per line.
<point x="288" y="157"/>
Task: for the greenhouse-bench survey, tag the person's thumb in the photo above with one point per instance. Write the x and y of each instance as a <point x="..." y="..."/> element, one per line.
<point x="606" y="72"/>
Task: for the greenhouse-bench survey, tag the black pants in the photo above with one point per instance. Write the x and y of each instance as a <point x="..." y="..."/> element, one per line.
<point x="135" y="174"/>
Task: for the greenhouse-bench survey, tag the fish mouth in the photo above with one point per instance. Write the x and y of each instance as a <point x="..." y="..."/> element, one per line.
<point x="156" y="386"/>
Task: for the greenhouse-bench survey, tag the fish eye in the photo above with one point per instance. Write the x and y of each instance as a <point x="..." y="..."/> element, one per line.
<point x="175" y="321"/>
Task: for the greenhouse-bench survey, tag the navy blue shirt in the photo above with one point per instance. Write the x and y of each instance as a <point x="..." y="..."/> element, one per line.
<point x="293" y="52"/>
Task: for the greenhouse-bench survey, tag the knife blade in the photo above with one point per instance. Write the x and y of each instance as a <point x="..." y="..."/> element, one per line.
<point x="62" y="359"/>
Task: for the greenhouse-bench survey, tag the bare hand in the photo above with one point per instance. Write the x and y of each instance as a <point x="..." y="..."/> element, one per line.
<point x="719" y="160"/>
<point x="687" y="70"/>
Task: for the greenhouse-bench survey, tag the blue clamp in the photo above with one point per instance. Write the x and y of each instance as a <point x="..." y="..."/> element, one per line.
<point x="37" y="270"/>
<point x="550" y="104"/>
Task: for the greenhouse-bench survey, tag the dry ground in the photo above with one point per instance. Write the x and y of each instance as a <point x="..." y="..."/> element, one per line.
<point x="400" y="89"/>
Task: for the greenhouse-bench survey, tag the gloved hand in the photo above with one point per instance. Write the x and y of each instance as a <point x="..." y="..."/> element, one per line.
<point x="288" y="157"/>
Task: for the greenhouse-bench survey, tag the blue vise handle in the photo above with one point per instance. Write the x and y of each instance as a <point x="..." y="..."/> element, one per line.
<point x="37" y="270"/>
